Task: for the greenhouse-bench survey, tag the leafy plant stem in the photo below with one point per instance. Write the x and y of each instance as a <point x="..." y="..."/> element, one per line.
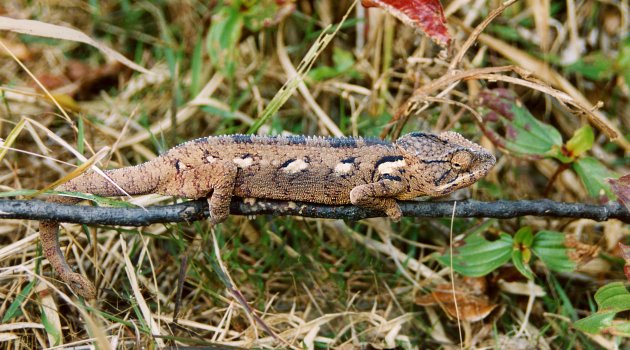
<point x="555" y="175"/>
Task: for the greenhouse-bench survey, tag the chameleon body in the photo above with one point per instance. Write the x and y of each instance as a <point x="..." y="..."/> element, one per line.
<point x="365" y="172"/>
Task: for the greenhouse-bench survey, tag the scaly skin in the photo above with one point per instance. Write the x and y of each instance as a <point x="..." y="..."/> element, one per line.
<point x="367" y="173"/>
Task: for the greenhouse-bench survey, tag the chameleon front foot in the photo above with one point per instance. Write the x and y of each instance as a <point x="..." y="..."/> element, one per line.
<point x="219" y="208"/>
<point x="378" y="196"/>
<point x="394" y="212"/>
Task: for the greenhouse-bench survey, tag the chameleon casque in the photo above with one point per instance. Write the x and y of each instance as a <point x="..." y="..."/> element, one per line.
<point x="368" y="173"/>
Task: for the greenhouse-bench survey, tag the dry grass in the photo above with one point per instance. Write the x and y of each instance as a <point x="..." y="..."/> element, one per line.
<point x="313" y="283"/>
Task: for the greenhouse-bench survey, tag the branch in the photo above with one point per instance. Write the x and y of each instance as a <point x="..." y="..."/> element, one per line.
<point x="198" y="210"/>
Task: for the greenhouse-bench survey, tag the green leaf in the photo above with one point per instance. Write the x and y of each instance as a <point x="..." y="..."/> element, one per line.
<point x="620" y="329"/>
<point x="51" y="329"/>
<point x="549" y="247"/>
<point x="581" y="141"/>
<point x="322" y="73"/>
<point x="11" y="138"/>
<point x="80" y="136"/>
<point x="623" y="58"/>
<point x="521" y="252"/>
<point x="594" y="67"/>
<point x="223" y="37"/>
<point x="521" y="262"/>
<point x="524" y="236"/>
<point x="196" y="67"/>
<point x="94" y="198"/>
<point x="511" y="126"/>
<point x="509" y="33"/>
<point x="611" y="299"/>
<point x="343" y="59"/>
<point x="623" y="61"/>
<point x="595" y="322"/>
<point x="103" y="201"/>
<point x="343" y="62"/>
<point x="258" y="14"/>
<point x="594" y="176"/>
<point x="478" y="256"/>
<point x="15" y="308"/>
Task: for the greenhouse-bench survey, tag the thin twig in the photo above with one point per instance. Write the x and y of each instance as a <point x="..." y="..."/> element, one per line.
<point x="403" y="113"/>
<point x="472" y="38"/>
<point x="198" y="210"/>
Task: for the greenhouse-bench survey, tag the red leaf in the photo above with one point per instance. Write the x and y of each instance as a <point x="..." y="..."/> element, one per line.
<point x="426" y="15"/>
<point x="621" y="188"/>
<point x="625" y="254"/>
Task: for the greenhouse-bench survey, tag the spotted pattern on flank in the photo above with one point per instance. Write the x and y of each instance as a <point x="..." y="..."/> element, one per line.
<point x="243" y="162"/>
<point x="293" y="166"/>
<point x="343" y="168"/>
<point x="390" y="167"/>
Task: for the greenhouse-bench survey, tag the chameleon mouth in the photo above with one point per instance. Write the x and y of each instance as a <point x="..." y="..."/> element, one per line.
<point x="484" y="162"/>
<point x="488" y="160"/>
<point x="452" y="179"/>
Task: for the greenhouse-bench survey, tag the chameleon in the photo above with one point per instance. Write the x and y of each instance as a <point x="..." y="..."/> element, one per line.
<point x="369" y="173"/>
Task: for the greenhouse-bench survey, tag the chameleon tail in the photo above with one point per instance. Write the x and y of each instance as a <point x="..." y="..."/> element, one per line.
<point x="137" y="179"/>
<point x="132" y="180"/>
<point x="48" y="234"/>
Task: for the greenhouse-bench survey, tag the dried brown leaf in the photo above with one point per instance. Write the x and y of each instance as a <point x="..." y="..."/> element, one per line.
<point x="472" y="304"/>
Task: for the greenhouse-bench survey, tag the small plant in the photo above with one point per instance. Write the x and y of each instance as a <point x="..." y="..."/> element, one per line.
<point x="513" y="128"/>
<point x="611" y="299"/>
<point x="476" y="256"/>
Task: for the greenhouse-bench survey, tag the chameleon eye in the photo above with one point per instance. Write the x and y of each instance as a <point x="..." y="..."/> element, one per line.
<point x="461" y="160"/>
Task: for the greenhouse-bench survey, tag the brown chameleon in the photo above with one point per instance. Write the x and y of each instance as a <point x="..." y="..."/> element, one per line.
<point x="365" y="172"/>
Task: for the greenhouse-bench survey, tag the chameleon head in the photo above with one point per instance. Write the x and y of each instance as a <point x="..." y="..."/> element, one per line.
<point x="443" y="163"/>
<point x="81" y="285"/>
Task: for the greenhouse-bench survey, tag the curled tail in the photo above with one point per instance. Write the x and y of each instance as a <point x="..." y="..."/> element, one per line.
<point x="140" y="179"/>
